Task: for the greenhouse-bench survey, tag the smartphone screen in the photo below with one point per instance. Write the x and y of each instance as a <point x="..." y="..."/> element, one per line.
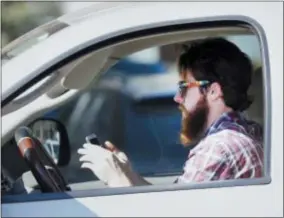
<point x="93" y="139"/>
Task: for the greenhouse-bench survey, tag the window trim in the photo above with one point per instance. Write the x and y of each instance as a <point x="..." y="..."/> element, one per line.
<point x="150" y="30"/>
<point x="129" y="190"/>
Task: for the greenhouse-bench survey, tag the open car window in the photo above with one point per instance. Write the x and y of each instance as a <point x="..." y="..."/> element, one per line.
<point x="133" y="107"/>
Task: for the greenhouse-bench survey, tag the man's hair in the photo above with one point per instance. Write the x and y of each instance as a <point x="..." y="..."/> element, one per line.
<point x="221" y="61"/>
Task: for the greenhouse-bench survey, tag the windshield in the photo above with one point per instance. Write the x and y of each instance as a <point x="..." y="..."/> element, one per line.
<point x="30" y="39"/>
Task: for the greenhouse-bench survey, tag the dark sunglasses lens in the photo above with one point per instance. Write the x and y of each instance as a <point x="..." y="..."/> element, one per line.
<point x="182" y="90"/>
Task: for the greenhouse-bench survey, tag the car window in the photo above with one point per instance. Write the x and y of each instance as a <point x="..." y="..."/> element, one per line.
<point x="152" y="126"/>
<point x="132" y="105"/>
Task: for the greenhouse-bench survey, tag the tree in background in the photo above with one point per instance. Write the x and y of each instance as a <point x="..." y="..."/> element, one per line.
<point x="17" y="18"/>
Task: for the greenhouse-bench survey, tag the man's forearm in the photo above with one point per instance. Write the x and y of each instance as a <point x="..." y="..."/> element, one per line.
<point x="138" y="180"/>
<point x="128" y="179"/>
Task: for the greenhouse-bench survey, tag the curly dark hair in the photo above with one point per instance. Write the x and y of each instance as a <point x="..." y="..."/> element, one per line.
<point x="219" y="60"/>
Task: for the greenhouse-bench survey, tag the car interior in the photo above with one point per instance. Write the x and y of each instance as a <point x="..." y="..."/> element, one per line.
<point x="149" y="109"/>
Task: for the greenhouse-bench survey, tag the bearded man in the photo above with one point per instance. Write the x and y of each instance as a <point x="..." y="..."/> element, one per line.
<point x="215" y="76"/>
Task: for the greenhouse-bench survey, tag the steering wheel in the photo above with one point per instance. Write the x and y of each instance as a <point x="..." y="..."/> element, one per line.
<point x="41" y="164"/>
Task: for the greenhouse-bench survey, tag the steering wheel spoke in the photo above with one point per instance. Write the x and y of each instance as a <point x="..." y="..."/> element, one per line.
<point x="41" y="164"/>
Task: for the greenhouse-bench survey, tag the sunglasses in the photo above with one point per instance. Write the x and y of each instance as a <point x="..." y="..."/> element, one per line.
<point x="183" y="86"/>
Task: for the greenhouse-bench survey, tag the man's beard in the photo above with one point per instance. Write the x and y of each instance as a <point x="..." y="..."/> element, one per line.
<point x="193" y="123"/>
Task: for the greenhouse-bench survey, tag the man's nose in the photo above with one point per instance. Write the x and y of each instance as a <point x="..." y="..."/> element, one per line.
<point x="178" y="99"/>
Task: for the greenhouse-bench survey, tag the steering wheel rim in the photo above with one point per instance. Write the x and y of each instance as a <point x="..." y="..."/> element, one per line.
<point x="49" y="178"/>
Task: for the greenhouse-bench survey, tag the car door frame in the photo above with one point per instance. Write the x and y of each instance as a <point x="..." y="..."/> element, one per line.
<point x="196" y="23"/>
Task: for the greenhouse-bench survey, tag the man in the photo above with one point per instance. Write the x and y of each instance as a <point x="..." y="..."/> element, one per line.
<point x="214" y="79"/>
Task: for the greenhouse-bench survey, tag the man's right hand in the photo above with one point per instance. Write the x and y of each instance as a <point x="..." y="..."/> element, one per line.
<point x="109" y="164"/>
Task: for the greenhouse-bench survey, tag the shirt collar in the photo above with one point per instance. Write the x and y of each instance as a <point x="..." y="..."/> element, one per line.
<point x="225" y="121"/>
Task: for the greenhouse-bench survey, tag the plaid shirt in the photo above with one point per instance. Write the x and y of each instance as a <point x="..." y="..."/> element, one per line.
<point x="231" y="149"/>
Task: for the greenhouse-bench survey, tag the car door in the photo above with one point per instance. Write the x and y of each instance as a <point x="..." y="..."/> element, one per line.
<point x="255" y="197"/>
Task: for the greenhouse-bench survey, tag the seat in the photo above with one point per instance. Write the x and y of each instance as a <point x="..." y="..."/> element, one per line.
<point x="256" y="111"/>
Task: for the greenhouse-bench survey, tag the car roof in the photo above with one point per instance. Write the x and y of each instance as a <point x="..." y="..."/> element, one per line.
<point x="59" y="24"/>
<point x="91" y="11"/>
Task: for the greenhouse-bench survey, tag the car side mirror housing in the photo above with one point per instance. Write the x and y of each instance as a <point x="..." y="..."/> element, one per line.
<point x="54" y="138"/>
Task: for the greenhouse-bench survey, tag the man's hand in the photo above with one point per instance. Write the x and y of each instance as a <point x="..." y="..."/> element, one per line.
<point x="110" y="165"/>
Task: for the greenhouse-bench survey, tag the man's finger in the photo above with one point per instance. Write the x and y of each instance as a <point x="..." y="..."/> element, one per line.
<point x="89" y="146"/>
<point x="86" y="148"/>
<point x="89" y="158"/>
<point x="82" y="151"/>
<point x="111" y="146"/>
<point x="87" y="165"/>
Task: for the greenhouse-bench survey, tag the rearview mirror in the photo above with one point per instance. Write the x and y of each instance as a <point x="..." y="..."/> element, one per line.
<point x="54" y="138"/>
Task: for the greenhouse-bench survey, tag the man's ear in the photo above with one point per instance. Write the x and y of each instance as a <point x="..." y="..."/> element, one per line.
<point x="214" y="91"/>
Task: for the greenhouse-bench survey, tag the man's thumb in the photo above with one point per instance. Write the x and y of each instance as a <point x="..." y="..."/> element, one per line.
<point x="119" y="154"/>
<point x="111" y="146"/>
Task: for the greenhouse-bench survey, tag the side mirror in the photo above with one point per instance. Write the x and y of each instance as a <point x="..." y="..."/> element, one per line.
<point x="54" y="138"/>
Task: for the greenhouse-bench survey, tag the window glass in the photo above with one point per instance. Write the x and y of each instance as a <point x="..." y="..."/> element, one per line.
<point x="133" y="106"/>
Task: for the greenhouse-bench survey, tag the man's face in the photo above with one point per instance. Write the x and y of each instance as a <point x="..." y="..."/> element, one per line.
<point x="194" y="108"/>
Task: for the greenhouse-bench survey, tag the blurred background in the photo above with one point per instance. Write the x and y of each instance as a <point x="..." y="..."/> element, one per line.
<point x="19" y="17"/>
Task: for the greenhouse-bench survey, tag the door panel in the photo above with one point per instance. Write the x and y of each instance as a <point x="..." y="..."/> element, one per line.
<point x="202" y="202"/>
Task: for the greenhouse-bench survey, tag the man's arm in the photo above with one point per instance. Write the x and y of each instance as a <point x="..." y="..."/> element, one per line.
<point x="138" y="180"/>
<point x="110" y="165"/>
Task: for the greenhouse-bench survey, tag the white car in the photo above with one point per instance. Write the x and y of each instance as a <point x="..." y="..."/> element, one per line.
<point x="50" y="66"/>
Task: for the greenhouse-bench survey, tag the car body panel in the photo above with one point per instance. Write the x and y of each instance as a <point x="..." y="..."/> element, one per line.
<point x="190" y="203"/>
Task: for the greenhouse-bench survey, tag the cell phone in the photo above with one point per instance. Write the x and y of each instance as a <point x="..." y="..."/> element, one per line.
<point x="93" y="139"/>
